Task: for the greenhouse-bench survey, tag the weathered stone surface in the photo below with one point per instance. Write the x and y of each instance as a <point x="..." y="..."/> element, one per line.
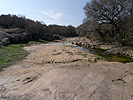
<point x="105" y="47"/>
<point x="114" y="51"/>
<point x="110" y="49"/>
<point x="5" y="41"/>
<point x="67" y="76"/>
<point x="15" y="35"/>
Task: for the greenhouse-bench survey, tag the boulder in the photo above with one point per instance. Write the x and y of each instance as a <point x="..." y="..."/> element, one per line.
<point x="57" y="37"/>
<point x="5" y="41"/>
<point x="15" y="35"/>
<point x="114" y="51"/>
<point x="105" y="47"/>
<point x="3" y="35"/>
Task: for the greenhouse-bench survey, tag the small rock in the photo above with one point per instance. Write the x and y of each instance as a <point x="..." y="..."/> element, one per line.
<point x="127" y="78"/>
<point x="104" y="47"/>
<point x="5" y="41"/>
<point x="29" y="79"/>
<point x="87" y="45"/>
<point x="2" y="88"/>
<point x="77" y="43"/>
<point x="80" y="43"/>
<point x="18" y="79"/>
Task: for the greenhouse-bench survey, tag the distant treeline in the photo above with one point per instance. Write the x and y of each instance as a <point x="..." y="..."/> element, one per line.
<point x="35" y="28"/>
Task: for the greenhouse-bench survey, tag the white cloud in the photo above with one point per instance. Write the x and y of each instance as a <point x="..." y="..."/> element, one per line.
<point x="52" y="14"/>
<point x="39" y="16"/>
<point x="4" y="13"/>
<point x="48" y="22"/>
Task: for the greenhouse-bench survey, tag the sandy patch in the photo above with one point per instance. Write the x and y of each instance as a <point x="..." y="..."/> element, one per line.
<point x="58" y="54"/>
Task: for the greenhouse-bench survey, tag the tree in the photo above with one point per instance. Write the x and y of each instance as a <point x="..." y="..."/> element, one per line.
<point x="109" y="12"/>
<point x="71" y="30"/>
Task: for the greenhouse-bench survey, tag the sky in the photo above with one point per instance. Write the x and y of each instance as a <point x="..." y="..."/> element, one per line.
<point x="60" y="12"/>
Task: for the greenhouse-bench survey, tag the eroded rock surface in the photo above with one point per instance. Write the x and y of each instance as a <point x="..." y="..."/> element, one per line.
<point x="110" y="49"/>
<point x="15" y="35"/>
<point x="52" y="72"/>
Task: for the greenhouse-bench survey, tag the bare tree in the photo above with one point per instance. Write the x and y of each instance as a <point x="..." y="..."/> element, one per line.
<point x="108" y="11"/>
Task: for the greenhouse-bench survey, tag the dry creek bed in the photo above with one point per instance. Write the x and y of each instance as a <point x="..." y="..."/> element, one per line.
<point x="61" y="72"/>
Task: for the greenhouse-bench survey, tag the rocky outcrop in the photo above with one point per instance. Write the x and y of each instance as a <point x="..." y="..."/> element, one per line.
<point x="18" y="35"/>
<point x="5" y="41"/>
<point x="53" y="72"/>
<point x="120" y="51"/>
<point x="15" y="35"/>
<point x="109" y="49"/>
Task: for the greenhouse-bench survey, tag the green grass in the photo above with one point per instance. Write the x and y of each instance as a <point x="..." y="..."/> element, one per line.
<point x="11" y="53"/>
<point x="126" y="60"/>
<point x="40" y="40"/>
<point x="1" y="27"/>
<point x="14" y="52"/>
<point x="119" y="58"/>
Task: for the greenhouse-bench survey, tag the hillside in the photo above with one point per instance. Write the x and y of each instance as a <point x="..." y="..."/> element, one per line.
<point x="16" y="29"/>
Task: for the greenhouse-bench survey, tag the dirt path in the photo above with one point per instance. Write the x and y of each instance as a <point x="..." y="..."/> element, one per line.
<point x="58" y="71"/>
